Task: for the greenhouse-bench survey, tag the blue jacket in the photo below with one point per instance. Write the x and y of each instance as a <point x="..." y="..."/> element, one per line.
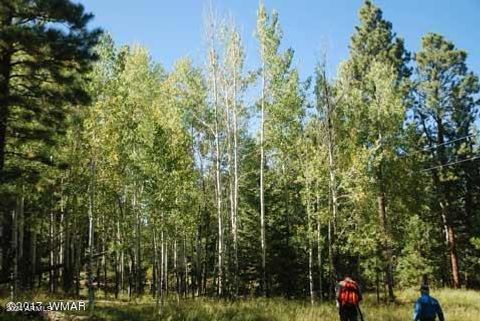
<point x="427" y="308"/>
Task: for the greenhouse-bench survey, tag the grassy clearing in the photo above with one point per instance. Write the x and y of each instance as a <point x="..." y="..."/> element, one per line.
<point x="459" y="305"/>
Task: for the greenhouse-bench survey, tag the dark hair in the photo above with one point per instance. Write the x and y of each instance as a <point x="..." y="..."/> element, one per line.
<point x="424" y="288"/>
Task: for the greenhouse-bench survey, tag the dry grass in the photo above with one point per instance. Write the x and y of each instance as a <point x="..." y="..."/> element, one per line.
<point x="459" y="305"/>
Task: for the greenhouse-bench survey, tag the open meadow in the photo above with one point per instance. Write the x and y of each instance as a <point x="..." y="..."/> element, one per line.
<point x="458" y="305"/>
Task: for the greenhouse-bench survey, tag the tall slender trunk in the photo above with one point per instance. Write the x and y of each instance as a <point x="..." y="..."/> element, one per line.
<point x="118" y="251"/>
<point x="382" y="212"/>
<point x="332" y="227"/>
<point x="21" y="230"/>
<point x="65" y="244"/>
<point x="384" y="225"/>
<point x="161" y="279"/>
<point x="117" y="272"/>
<point x="78" y="250"/>
<point x="175" y="269"/>
<point x="319" y="249"/>
<point x="185" y="268"/>
<point x="104" y="258"/>
<point x="91" y="231"/>
<point x="14" y="277"/>
<point x="229" y="154"/>
<point x="262" y="166"/>
<point x="310" y="273"/>
<point x="61" y="235"/>
<point x="137" y="257"/>
<point x="166" y="267"/>
<point x="33" y="252"/>
<point x="235" y="183"/>
<point x="120" y="232"/>
<point x="217" y="171"/>
<point x="310" y="245"/>
<point x="331" y="265"/>
<point x="52" y="278"/>
<point x="205" y="219"/>
<point x="198" y="265"/>
<point x="155" y="260"/>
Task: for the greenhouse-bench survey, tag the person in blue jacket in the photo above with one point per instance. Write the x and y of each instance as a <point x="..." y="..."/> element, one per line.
<point x="427" y="308"/>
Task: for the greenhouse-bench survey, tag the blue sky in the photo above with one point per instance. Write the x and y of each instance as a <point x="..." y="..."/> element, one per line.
<point x="172" y="29"/>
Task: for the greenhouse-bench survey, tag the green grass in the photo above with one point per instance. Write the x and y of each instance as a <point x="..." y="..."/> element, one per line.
<point x="458" y="305"/>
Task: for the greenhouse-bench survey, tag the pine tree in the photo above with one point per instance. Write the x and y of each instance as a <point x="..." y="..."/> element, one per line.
<point x="445" y="112"/>
<point x="41" y="64"/>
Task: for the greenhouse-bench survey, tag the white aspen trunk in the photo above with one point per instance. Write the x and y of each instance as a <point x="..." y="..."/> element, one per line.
<point x="331" y="271"/>
<point x="185" y="267"/>
<point x="310" y="273"/>
<point x="155" y="262"/>
<point x="198" y="267"/>
<point x="213" y="62"/>
<point x="175" y="269"/>
<point x="219" y="206"/>
<point x="319" y="251"/>
<point x="331" y="160"/>
<point x="21" y="208"/>
<point x="230" y="168"/>
<point x="166" y="267"/>
<point x="130" y="274"/>
<point x="204" y="255"/>
<point x="78" y="250"/>
<point x="67" y="253"/>
<point x="332" y="227"/>
<point x="77" y="264"/>
<point x="382" y="212"/>
<point x="14" y="284"/>
<point x="162" y="269"/>
<point x="235" y="175"/>
<point x="33" y="247"/>
<point x="104" y="260"/>
<point x="262" y="165"/>
<point x="52" y="252"/>
<point x="117" y="259"/>
<point x="310" y="246"/>
<point x="120" y="243"/>
<point x="136" y="260"/>
<point x="61" y="234"/>
<point x="91" y="231"/>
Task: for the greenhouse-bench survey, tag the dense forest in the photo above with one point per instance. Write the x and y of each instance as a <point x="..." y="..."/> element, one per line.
<point x="120" y="177"/>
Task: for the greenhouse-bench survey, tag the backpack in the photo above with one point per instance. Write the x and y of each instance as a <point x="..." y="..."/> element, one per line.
<point x="349" y="293"/>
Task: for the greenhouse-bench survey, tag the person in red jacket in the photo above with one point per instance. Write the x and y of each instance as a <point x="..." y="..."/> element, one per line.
<point x="348" y="299"/>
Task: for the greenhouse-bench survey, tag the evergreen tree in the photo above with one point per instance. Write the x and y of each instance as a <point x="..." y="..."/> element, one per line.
<point x="445" y="112"/>
<point x="45" y="48"/>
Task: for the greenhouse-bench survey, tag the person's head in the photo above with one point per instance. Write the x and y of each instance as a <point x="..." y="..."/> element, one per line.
<point x="348" y="277"/>
<point x="424" y="289"/>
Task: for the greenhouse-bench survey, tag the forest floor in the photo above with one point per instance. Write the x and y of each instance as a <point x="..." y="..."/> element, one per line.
<point x="458" y="305"/>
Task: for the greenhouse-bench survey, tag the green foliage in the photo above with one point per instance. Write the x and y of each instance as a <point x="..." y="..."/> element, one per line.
<point x="416" y="260"/>
<point x="445" y="112"/>
<point x="363" y="174"/>
<point x="45" y="50"/>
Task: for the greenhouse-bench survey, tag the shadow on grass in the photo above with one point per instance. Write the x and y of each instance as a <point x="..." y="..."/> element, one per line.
<point x="124" y="313"/>
<point x="192" y="311"/>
